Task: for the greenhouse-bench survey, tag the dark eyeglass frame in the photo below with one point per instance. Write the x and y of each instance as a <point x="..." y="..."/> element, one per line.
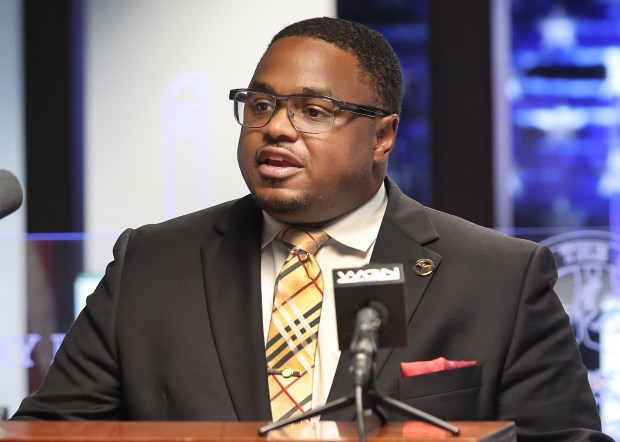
<point x="339" y="105"/>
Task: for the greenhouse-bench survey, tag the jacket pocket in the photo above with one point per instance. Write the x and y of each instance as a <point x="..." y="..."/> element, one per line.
<point x="448" y="394"/>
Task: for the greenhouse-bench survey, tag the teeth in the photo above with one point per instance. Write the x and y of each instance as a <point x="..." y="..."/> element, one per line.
<point x="277" y="163"/>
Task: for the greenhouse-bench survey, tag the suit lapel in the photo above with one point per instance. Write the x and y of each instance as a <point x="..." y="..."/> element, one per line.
<point x="405" y="229"/>
<point x="231" y="267"/>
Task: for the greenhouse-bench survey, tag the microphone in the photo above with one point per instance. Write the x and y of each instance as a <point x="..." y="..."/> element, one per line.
<point x="370" y="313"/>
<point x="11" y="193"/>
<point x="364" y="344"/>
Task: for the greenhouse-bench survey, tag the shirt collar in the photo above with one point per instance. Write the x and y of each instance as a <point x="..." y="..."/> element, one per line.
<point x="347" y="230"/>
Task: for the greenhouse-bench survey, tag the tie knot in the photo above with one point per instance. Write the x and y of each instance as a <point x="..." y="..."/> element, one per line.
<point x="306" y="239"/>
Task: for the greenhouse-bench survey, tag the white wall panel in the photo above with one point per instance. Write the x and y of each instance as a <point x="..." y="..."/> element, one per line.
<point x="13" y="381"/>
<point x="160" y="137"/>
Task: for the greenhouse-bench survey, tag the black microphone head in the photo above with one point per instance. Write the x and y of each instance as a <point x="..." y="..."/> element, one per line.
<point x="380" y="286"/>
<point x="11" y="193"/>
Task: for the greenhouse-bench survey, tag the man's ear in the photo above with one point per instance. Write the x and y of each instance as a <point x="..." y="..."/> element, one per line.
<point x="385" y="137"/>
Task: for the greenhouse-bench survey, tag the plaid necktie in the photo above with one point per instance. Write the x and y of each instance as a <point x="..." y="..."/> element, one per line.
<point x="294" y="328"/>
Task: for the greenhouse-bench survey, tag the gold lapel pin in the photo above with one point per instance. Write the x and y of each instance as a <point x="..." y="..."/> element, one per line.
<point x="423" y="267"/>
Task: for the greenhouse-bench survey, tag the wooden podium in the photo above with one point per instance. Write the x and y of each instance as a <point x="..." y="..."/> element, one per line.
<point x="91" y="431"/>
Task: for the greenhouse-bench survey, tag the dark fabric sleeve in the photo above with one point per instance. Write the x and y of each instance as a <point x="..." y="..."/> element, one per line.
<point x="84" y="381"/>
<point x="544" y="386"/>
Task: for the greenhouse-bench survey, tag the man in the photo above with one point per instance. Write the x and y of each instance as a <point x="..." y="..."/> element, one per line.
<point x="179" y="326"/>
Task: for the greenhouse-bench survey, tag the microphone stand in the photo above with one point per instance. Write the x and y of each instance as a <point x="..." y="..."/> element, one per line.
<point x="365" y="397"/>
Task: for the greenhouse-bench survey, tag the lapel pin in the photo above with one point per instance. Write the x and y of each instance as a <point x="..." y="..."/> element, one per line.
<point x="423" y="267"/>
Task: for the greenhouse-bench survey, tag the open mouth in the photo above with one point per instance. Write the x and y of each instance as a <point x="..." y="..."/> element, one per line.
<point x="278" y="163"/>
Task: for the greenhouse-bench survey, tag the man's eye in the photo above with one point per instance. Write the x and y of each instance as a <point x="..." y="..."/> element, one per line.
<point x="261" y="106"/>
<point x="316" y="113"/>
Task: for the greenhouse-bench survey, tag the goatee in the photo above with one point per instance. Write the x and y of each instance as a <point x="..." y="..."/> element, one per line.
<point x="278" y="206"/>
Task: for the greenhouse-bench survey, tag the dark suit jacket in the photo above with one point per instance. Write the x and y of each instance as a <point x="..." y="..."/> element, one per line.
<point x="174" y="329"/>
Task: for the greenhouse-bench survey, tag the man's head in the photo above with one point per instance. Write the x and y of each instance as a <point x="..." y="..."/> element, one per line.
<point x="300" y="174"/>
<point x="377" y="60"/>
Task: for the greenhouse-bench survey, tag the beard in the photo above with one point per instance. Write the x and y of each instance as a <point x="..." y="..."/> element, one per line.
<point x="275" y="206"/>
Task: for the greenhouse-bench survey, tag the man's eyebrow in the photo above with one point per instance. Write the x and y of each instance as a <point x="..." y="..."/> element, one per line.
<point x="316" y="91"/>
<point x="266" y="87"/>
<point x="261" y="86"/>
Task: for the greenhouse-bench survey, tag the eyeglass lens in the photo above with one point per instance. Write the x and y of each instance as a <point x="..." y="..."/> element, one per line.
<point x="308" y="114"/>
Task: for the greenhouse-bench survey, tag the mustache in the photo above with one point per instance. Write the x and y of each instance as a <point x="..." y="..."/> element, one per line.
<point x="300" y="156"/>
<point x="280" y="145"/>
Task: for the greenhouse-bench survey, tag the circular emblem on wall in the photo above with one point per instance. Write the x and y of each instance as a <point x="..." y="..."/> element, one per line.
<point x="588" y="276"/>
<point x="589" y="287"/>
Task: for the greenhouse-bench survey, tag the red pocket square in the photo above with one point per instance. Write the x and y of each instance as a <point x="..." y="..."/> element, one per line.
<point x="439" y="364"/>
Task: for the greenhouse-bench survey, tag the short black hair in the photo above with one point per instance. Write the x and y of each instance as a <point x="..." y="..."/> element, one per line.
<point x="373" y="52"/>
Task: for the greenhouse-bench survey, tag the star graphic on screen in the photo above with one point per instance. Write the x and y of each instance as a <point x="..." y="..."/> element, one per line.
<point x="558" y="30"/>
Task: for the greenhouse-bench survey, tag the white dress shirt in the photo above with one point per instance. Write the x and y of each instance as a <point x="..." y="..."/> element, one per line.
<point x="350" y="244"/>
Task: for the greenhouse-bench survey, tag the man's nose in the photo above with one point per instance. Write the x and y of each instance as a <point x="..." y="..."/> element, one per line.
<point x="281" y="124"/>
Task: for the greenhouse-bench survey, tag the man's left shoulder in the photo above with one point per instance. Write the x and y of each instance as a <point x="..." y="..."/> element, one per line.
<point x="463" y="233"/>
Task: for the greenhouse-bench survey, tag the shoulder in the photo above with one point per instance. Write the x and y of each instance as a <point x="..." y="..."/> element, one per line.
<point x="467" y="233"/>
<point x="197" y="226"/>
<point x="471" y="246"/>
<point x="455" y="237"/>
<point x="430" y="226"/>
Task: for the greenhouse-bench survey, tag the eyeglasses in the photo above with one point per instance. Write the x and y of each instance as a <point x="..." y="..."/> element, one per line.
<point x="308" y="113"/>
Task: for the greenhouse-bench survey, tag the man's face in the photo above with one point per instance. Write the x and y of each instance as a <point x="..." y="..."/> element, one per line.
<point x="302" y="178"/>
